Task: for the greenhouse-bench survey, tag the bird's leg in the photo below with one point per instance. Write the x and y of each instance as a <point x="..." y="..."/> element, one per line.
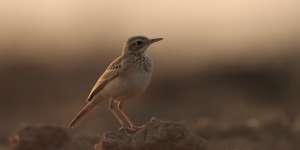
<point x="114" y="111"/>
<point x="120" y="105"/>
<point x="127" y="119"/>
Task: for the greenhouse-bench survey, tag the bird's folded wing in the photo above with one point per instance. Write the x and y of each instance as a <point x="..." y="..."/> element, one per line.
<point x="112" y="71"/>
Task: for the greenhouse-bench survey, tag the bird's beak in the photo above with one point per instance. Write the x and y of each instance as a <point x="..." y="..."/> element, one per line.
<point x="155" y="40"/>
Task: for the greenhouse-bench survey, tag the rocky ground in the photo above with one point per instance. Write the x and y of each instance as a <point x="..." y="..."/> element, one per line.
<point x="268" y="134"/>
<point x="228" y="107"/>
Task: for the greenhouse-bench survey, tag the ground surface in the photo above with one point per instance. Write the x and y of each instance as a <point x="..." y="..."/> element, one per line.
<point x="166" y="135"/>
<point x="235" y="106"/>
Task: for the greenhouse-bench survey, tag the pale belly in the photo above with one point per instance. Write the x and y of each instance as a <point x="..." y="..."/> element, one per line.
<point x="128" y="85"/>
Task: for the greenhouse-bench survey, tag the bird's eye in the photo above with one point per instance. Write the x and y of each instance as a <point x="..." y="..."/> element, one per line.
<point x="139" y="42"/>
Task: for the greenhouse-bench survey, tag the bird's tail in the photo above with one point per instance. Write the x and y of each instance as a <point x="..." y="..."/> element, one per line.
<point x="85" y="109"/>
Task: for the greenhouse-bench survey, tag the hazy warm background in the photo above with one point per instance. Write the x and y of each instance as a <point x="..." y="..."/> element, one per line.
<point x="225" y="59"/>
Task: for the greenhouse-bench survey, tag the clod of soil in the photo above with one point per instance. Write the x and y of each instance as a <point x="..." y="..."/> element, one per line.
<point x="157" y="135"/>
<point x="49" y="138"/>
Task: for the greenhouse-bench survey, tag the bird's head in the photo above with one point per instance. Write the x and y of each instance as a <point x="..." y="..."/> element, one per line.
<point x="138" y="44"/>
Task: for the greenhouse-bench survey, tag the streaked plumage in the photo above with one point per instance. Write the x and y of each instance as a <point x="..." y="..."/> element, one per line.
<point x="126" y="77"/>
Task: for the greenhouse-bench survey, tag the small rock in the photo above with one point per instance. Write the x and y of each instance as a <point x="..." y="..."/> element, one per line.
<point x="39" y="137"/>
<point x="49" y="138"/>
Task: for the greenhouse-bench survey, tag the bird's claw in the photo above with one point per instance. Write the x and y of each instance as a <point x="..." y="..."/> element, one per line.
<point x="132" y="129"/>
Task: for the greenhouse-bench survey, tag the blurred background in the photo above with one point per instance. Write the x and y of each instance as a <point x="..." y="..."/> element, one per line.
<point x="227" y="60"/>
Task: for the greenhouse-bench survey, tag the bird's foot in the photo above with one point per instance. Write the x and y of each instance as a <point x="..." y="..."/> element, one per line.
<point x="132" y="129"/>
<point x="127" y="129"/>
<point x="138" y="127"/>
<point x="122" y="128"/>
<point x="135" y="128"/>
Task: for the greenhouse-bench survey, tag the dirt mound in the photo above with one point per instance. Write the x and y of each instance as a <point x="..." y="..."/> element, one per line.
<point x="49" y="138"/>
<point x="157" y="135"/>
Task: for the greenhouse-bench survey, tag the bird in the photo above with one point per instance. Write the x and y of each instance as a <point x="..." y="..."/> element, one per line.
<point x="126" y="77"/>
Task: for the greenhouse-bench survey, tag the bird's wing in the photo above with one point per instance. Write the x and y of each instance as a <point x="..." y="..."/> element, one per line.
<point x="111" y="72"/>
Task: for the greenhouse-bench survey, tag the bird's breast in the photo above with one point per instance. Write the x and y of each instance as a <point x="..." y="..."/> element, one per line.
<point x="137" y="81"/>
<point x="130" y="84"/>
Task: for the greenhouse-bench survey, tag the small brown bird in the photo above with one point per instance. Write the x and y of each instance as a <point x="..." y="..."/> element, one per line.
<point x="126" y="77"/>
